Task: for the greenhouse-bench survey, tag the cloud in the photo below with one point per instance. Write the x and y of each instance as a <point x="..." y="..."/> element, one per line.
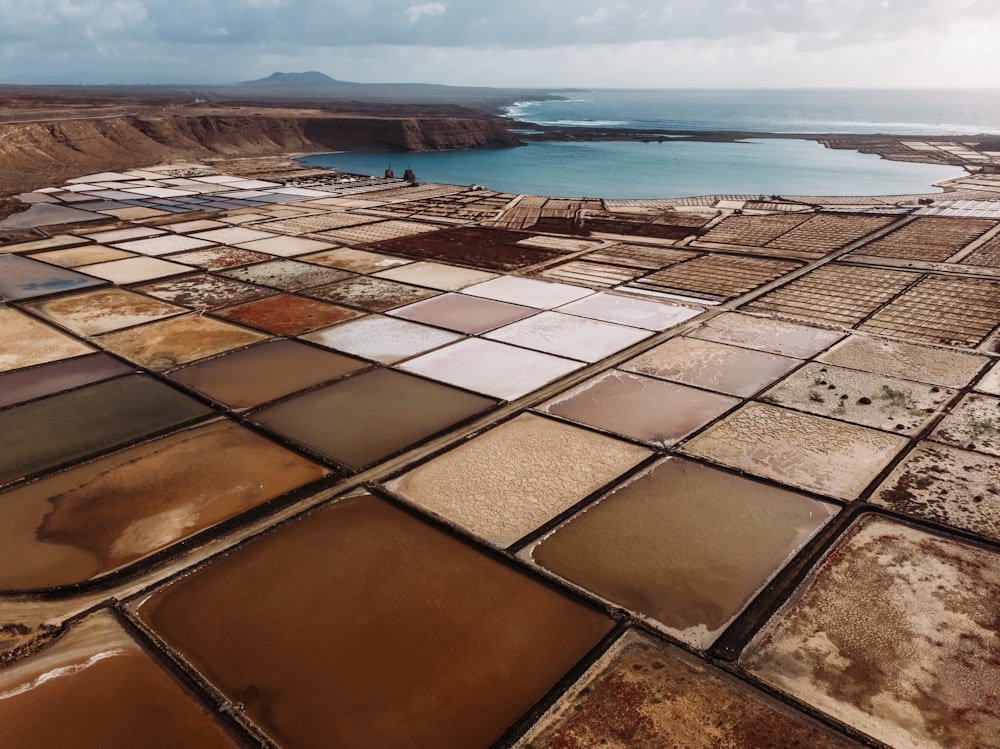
<point x="224" y="38"/>
<point x="513" y="23"/>
<point x="415" y="12"/>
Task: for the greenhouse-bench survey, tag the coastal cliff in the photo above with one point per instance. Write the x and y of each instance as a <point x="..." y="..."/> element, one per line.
<point x="36" y="154"/>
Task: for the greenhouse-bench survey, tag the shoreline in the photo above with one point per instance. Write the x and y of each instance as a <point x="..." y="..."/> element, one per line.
<point x="51" y="134"/>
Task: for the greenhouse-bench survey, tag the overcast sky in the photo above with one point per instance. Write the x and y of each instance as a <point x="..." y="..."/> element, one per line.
<point x="537" y="43"/>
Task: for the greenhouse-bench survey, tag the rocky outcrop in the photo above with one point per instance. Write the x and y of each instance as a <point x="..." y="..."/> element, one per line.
<point x="36" y="154"/>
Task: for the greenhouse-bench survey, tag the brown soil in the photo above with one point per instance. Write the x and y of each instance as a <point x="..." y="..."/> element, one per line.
<point x="483" y="249"/>
<point x="10" y="206"/>
<point x="48" y="135"/>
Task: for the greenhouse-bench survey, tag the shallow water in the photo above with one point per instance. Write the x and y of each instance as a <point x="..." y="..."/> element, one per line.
<point x="684" y="544"/>
<point x="660" y="170"/>
<point x="46" y="433"/>
<point x="642" y="408"/>
<point x="95" y="518"/>
<point x="366" y="627"/>
<point x="369" y="416"/>
<point x="96" y="687"/>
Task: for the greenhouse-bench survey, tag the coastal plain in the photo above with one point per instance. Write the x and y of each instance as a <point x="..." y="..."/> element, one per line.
<point x="300" y="458"/>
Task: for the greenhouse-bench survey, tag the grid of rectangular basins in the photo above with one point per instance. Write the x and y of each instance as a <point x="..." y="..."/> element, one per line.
<point x="464" y="206"/>
<point x="930" y="239"/>
<point x="567" y="570"/>
<point x="834" y="295"/>
<point x="637" y="256"/>
<point x="587" y="273"/>
<point x="317" y="223"/>
<point x="829" y="231"/>
<point x="820" y="233"/>
<point x="713" y="277"/>
<point x="987" y="254"/>
<point x="378" y="232"/>
<point x="615" y="265"/>
<point x="752" y="231"/>
<point x="952" y="311"/>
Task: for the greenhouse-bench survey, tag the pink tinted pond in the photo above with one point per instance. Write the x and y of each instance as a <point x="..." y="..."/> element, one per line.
<point x="491" y="368"/>
<point x="713" y="366"/>
<point x="643" y="408"/>
<point x="466" y="314"/>
<point x="529" y="292"/>
<point x="28" y="384"/>
<point x="627" y="310"/>
<point x="382" y="339"/>
<point x="569" y="336"/>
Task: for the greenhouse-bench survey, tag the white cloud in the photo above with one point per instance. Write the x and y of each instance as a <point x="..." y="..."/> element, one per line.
<point x="415" y="12"/>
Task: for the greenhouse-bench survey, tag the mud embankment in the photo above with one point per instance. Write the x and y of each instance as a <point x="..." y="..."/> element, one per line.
<point x="38" y="154"/>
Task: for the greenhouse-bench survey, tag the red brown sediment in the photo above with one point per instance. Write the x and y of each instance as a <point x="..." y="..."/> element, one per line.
<point x="644" y="694"/>
<point x="96" y="686"/>
<point x="285" y="314"/>
<point x="425" y="641"/>
<point x="90" y="520"/>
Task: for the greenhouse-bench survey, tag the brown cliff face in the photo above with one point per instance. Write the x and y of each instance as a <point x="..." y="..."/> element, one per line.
<point x="36" y="154"/>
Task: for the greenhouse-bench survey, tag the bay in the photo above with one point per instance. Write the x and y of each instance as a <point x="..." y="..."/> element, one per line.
<point x="629" y="170"/>
<point x="681" y="168"/>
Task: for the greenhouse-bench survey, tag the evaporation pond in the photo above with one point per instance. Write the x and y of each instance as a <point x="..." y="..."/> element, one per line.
<point x="370" y="416"/>
<point x="90" y="520"/>
<point x="642" y="408"/>
<point x="95" y="686"/>
<point x="261" y="373"/>
<point x="48" y="432"/>
<point x="898" y="618"/>
<point x="684" y="544"/>
<point x="360" y="606"/>
<point x="645" y="693"/>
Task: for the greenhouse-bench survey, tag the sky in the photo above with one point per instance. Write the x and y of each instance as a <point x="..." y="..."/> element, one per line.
<point x="509" y="43"/>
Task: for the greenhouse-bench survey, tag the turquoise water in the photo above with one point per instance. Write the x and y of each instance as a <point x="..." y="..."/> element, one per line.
<point x="657" y="170"/>
<point x="681" y="168"/>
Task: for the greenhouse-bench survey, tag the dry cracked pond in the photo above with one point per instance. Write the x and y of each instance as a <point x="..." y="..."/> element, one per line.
<point x="357" y="464"/>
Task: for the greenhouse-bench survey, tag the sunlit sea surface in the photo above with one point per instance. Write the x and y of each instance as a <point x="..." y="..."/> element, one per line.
<point x="682" y="168"/>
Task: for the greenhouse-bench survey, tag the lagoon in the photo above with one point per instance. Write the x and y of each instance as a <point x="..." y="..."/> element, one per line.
<point x="674" y="168"/>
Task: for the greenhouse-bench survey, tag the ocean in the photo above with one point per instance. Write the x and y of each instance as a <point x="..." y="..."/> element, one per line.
<point x="678" y="168"/>
<point x="774" y="111"/>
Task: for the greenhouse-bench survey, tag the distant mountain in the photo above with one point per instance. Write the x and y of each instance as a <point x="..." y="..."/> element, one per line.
<point x="308" y="79"/>
<point x="316" y="86"/>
